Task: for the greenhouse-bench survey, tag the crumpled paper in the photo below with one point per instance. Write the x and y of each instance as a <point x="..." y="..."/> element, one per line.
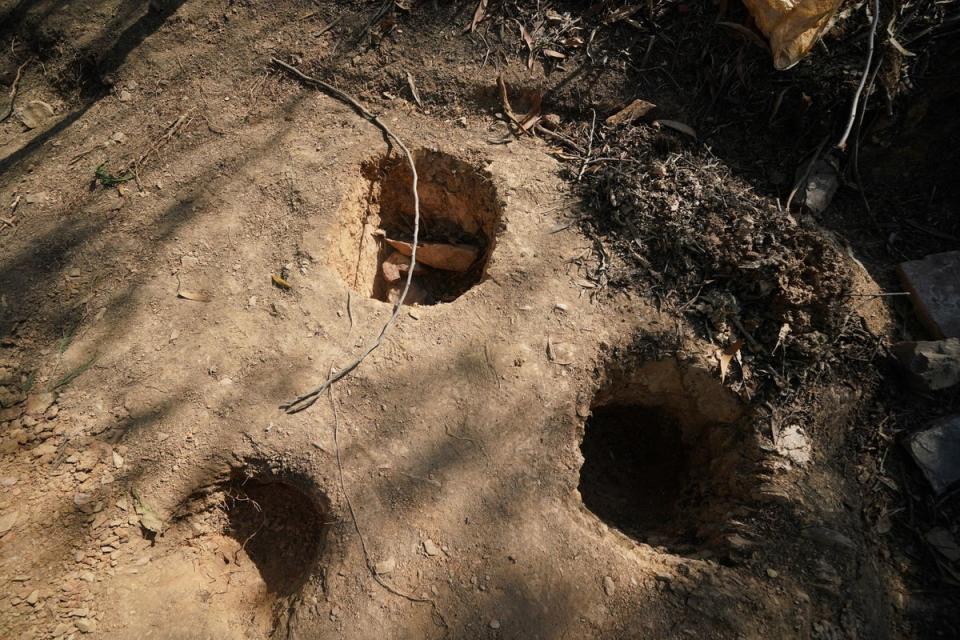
<point x="792" y="26"/>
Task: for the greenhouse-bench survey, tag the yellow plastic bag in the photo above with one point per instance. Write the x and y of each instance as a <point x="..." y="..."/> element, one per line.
<point x="791" y="26"/>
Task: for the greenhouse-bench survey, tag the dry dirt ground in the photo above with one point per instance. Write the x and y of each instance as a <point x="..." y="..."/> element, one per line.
<point x="531" y="453"/>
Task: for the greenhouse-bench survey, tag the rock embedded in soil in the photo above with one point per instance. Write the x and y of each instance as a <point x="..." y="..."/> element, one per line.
<point x="930" y="365"/>
<point x="936" y="450"/>
<point x="35" y="113"/>
<point x="935" y="291"/>
<point x="38" y="404"/>
<point x="609" y="586"/>
<point x="448" y="257"/>
<point x="430" y="548"/>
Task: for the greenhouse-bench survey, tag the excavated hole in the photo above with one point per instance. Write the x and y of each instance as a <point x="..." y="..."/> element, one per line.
<point x="264" y="522"/>
<point x="635" y="468"/>
<point x="279" y="528"/>
<point x="459" y="219"/>
<point x="660" y="463"/>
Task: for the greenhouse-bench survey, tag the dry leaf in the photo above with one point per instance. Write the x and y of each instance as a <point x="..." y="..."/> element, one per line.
<point x="478" y="15"/>
<point x="528" y="39"/>
<point x="279" y="282"/>
<point x="196" y="296"/>
<point x="550" y="53"/>
<point x="725" y="356"/>
<point x="636" y="109"/>
<point x="677" y="126"/>
<point x="784" y="332"/>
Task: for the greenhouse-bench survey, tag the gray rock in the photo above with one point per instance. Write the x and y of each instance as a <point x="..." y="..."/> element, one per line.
<point x="935" y="291"/>
<point x="930" y="366"/>
<point x="936" y="450"/>
<point x="35" y="113"/>
<point x="825" y="535"/>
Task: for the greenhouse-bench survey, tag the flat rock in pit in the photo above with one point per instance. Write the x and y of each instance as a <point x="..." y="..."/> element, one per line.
<point x="936" y="450"/>
<point x="449" y="257"/>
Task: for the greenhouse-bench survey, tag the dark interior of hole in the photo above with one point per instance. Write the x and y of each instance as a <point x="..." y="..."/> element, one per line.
<point x="281" y="530"/>
<point x="635" y="472"/>
<point x="446" y="187"/>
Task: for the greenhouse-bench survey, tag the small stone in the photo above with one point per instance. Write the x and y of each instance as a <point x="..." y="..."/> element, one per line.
<point x="35" y="113"/>
<point x="609" y="586"/>
<point x="38" y="197"/>
<point x="117" y="460"/>
<point x="930" y="366"/>
<point x="494" y="624"/>
<point x="385" y="566"/>
<point x="792" y="444"/>
<point x="936" y="450"/>
<point x="431" y="548"/>
<point x="7" y="521"/>
<point x="33" y="597"/>
<point x="125" y="96"/>
<point x="79" y="613"/>
<point x="550" y="121"/>
<point x="39" y="403"/>
<point x="88" y="576"/>
<point x="85" y="625"/>
<point x="119" y="137"/>
<point x="772" y="573"/>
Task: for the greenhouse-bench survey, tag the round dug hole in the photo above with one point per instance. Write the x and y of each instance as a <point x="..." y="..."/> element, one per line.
<point x="279" y="528"/>
<point x="459" y="219"/>
<point x="659" y="460"/>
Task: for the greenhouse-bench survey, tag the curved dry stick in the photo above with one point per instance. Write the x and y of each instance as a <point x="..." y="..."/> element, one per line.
<point x="302" y="402"/>
<point x="863" y="80"/>
<point x="13" y="91"/>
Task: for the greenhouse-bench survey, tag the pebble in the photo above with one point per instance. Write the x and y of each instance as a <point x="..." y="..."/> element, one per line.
<point x="385" y="566"/>
<point x="772" y="573"/>
<point x="33" y="597"/>
<point x="494" y="624"/>
<point x="431" y="548"/>
<point x="85" y="625"/>
<point x="609" y="586"/>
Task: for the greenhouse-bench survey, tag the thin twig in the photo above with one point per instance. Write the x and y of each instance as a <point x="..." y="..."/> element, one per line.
<point x="307" y="399"/>
<point x="559" y="137"/>
<point x="863" y="79"/>
<point x="13" y="90"/>
<point x="371" y="568"/>
<point x="586" y="158"/>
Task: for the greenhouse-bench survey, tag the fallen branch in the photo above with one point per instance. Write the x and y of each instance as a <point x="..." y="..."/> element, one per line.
<point x="302" y="402"/>
<point x="863" y="79"/>
<point x="13" y="91"/>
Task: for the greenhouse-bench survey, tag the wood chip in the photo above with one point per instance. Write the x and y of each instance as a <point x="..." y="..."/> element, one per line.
<point x="196" y="296"/>
<point x="677" y="126"/>
<point x="636" y="109"/>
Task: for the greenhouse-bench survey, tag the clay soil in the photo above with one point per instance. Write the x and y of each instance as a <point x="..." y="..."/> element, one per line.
<point x="657" y="405"/>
